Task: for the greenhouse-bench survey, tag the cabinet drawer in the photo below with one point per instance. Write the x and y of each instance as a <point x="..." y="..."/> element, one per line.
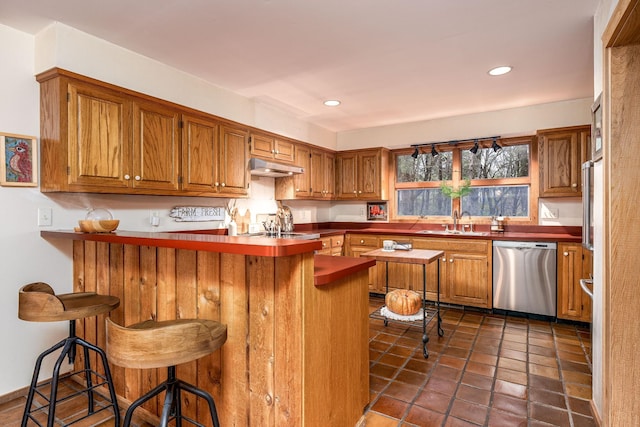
<point x="337" y="241"/>
<point x="362" y="240"/>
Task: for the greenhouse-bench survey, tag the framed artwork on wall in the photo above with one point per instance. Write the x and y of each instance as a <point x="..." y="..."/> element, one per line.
<point x="596" y="130"/>
<point x="18" y="160"/>
<point x="377" y="211"/>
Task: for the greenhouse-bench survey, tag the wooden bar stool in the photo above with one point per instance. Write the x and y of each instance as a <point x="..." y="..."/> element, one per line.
<point x="152" y="344"/>
<point x="39" y="303"/>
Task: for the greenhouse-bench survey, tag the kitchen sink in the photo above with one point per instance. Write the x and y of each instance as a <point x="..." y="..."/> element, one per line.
<point x="454" y="233"/>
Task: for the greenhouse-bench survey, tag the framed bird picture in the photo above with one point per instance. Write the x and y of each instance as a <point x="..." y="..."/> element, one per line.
<point x="18" y="160"/>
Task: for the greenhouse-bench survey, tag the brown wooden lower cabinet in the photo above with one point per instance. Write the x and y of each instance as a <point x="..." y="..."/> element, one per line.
<point x="574" y="263"/>
<point x="465" y="269"/>
<point x="289" y="360"/>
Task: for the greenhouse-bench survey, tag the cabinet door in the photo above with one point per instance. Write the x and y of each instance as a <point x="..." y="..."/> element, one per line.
<point x="346" y="185"/>
<point x="369" y="174"/>
<point x="560" y="156"/>
<point x="374" y="280"/>
<point x="302" y="181"/>
<point x="199" y="144"/>
<point x="284" y="150"/>
<point x="262" y="146"/>
<point x="233" y="171"/>
<point x="329" y="175"/>
<point x="156" y="142"/>
<point x="573" y="303"/>
<point x="99" y="137"/>
<point x="465" y="283"/>
<point x="317" y="172"/>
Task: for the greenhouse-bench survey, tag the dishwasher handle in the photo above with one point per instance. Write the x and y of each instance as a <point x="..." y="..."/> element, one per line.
<point x="584" y="284"/>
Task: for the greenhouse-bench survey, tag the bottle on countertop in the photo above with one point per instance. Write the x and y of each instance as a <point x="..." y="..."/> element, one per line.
<point x="494" y="224"/>
<point x="500" y="221"/>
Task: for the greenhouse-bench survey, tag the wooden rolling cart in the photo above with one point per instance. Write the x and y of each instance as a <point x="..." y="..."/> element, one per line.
<point x="414" y="256"/>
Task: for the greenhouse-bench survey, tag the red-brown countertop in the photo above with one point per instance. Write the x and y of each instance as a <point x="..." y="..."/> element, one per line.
<point x="257" y="246"/>
<point x="328" y="268"/>
<point x="518" y="233"/>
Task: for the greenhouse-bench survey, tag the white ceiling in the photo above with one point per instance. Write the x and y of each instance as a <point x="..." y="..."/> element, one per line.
<point x="388" y="61"/>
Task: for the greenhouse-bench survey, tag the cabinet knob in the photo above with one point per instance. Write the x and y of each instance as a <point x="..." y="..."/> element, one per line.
<point x="450" y="259"/>
<point x="444" y="259"/>
<point x="216" y="184"/>
<point x="574" y="185"/>
<point x="355" y="192"/>
<point x="324" y="244"/>
<point x="338" y="243"/>
<point x="277" y="152"/>
<point x="273" y="151"/>
<point x="137" y="178"/>
<point x="297" y="190"/>
<point x="566" y="254"/>
<point x="360" y="192"/>
<point x="127" y="177"/>
<point x="222" y="185"/>
<point x="361" y="242"/>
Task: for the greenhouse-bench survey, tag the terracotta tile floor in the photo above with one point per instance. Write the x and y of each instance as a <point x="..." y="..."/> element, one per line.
<point x="487" y="370"/>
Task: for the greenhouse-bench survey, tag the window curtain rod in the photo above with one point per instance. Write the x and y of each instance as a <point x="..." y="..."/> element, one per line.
<point x="455" y="142"/>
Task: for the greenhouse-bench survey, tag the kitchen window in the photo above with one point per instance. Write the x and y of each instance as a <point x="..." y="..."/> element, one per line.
<point x="499" y="182"/>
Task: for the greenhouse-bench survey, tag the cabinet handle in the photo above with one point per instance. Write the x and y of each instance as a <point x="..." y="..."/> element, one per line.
<point x="566" y="254"/>
<point x="355" y="192"/>
<point x="360" y="192"/>
<point x="137" y="178"/>
<point x="574" y="185"/>
<point x="450" y="259"/>
<point x="361" y="242"/>
<point x="127" y="177"/>
<point x="222" y="184"/>
<point x="216" y="184"/>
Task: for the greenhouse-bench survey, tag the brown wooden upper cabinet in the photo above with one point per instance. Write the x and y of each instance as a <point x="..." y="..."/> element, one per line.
<point x="210" y="154"/>
<point x="317" y="182"/>
<point x="362" y="174"/>
<point x="96" y="137"/>
<point x="271" y="147"/>
<point x="561" y="153"/>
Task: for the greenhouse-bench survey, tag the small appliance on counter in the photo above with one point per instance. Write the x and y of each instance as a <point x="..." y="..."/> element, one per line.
<point x="285" y="218"/>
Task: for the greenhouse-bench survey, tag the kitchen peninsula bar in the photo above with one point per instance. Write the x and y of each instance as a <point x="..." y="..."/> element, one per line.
<point x="297" y="348"/>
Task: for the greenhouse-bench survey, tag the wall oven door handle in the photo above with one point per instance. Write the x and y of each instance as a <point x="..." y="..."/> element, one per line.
<point x="584" y="284"/>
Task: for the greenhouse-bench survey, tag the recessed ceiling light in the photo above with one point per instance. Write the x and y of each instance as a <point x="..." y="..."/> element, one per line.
<point x="332" y="103"/>
<point x="498" y="71"/>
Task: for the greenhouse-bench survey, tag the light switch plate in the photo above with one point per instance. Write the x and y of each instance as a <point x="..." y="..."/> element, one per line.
<point x="45" y="217"/>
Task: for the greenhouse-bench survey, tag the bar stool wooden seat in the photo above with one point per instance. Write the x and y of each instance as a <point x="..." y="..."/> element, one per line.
<point x="152" y="344"/>
<point x="39" y="303"/>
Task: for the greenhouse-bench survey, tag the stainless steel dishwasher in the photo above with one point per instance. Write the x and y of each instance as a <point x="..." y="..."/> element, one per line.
<point x="524" y="277"/>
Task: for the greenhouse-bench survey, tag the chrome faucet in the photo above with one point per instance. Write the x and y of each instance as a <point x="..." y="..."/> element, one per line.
<point x="456" y="218"/>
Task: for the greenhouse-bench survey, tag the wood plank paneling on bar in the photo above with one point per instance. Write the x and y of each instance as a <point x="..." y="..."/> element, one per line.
<point x="78" y="286"/>
<point x="187" y="303"/>
<point x="208" y="299"/>
<point x="261" y="340"/>
<point x="116" y="286"/>
<point x="132" y="303"/>
<point x="234" y="308"/>
<point x="148" y="311"/>
<point x="103" y="288"/>
<point x="288" y="341"/>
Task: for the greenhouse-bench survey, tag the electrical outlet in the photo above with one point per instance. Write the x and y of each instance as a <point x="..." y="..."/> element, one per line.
<point x="45" y="217"/>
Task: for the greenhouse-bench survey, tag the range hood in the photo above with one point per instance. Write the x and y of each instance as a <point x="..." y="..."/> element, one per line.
<point x="260" y="167"/>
